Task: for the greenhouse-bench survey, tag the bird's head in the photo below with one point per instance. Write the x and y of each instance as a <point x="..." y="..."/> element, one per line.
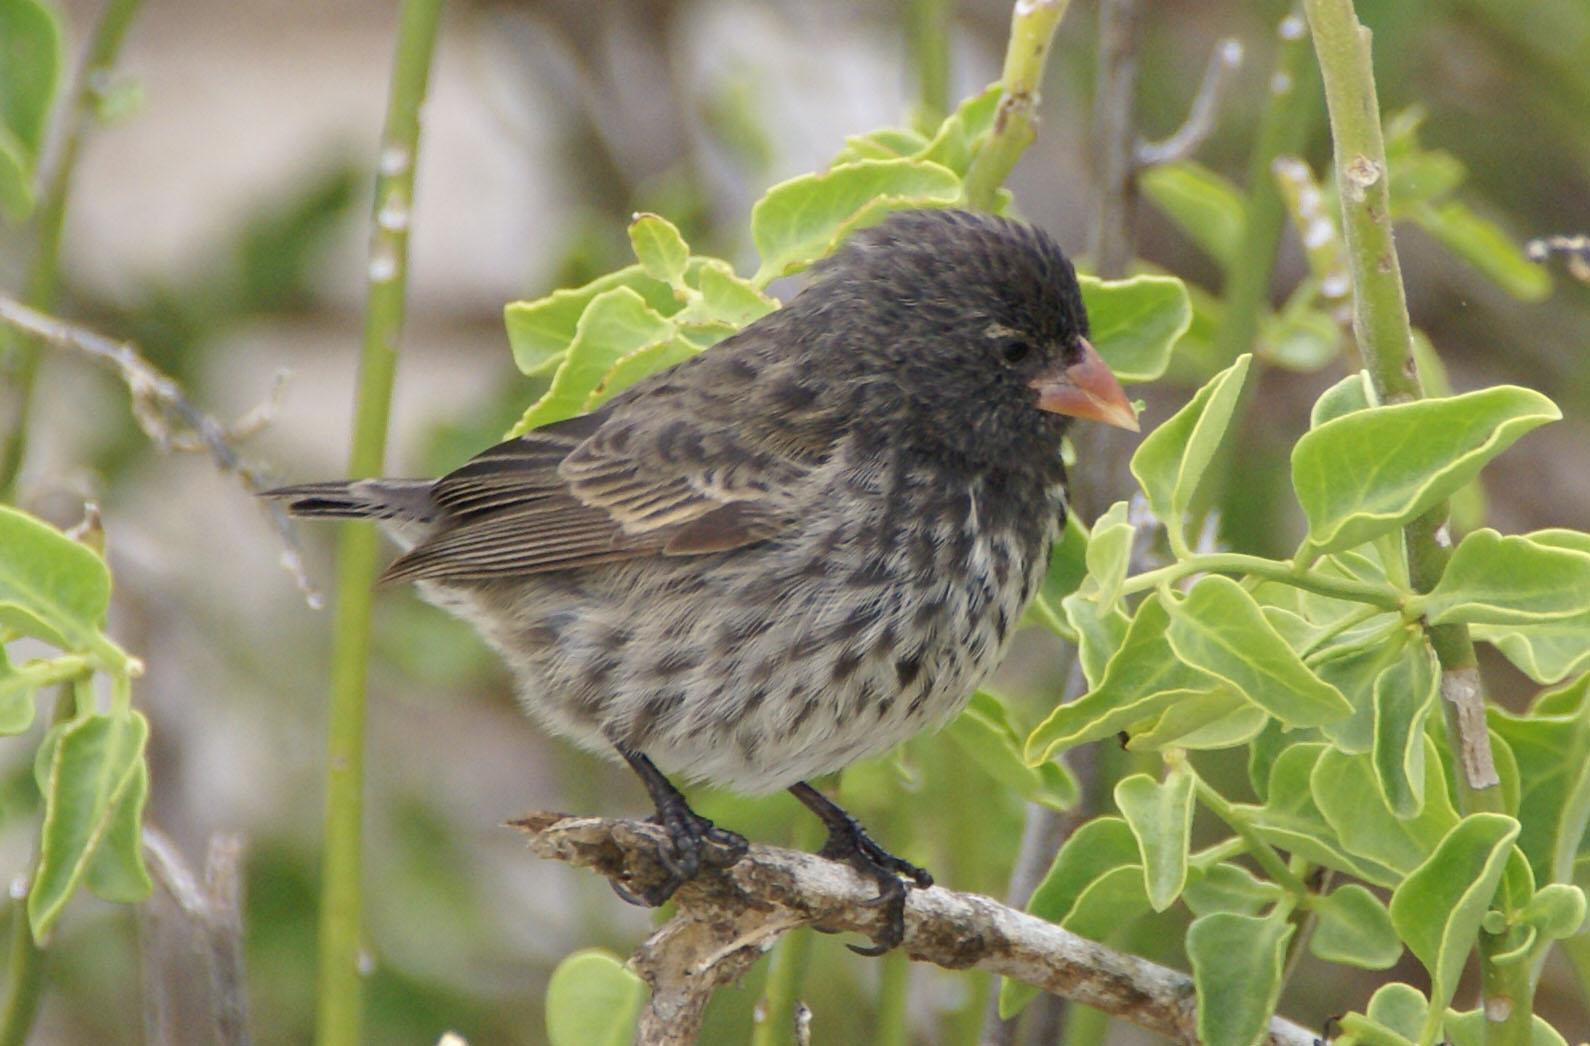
<point x="978" y="323"/>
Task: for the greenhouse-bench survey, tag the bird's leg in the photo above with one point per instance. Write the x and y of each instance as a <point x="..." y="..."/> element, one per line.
<point x="849" y="842"/>
<point x="688" y="834"/>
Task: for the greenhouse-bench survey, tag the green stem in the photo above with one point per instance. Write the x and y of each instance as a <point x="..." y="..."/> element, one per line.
<point x="1032" y="28"/>
<point x="787" y="972"/>
<point x="927" y="39"/>
<point x="1383" y="597"/>
<point x="1284" y="125"/>
<point x="21" y="354"/>
<point x="1380" y="322"/>
<point x="1507" y="991"/>
<point x="339" y="1014"/>
<point x="1260" y="850"/>
<point x="894" y="982"/>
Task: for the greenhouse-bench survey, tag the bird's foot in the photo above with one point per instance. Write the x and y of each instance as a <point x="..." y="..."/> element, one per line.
<point x="693" y="841"/>
<point x="850" y="843"/>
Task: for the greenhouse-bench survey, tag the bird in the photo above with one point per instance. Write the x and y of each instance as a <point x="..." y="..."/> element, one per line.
<point x="790" y="552"/>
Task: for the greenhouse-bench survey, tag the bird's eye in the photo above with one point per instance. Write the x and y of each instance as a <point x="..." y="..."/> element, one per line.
<point x="1016" y="351"/>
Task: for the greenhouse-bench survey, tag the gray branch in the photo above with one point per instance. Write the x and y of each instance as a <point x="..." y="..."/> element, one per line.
<point x="728" y="917"/>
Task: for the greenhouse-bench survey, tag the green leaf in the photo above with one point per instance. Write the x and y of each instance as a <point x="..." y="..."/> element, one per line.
<point x="1171" y="460"/>
<point x="1141" y="679"/>
<point x="1347" y="795"/>
<point x="1219" y="629"/>
<point x="1496" y="580"/>
<point x="1217" y="719"/>
<point x="1204" y="205"/>
<point x="725" y="297"/>
<point x="1236" y="963"/>
<point x="1135" y="323"/>
<point x="806" y="218"/>
<point x="1109" y="549"/>
<point x="116" y="870"/>
<point x="632" y="367"/>
<point x="886" y="143"/>
<point x="86" y="769"/>
<point x="1099" y="630"/>
<point x="1093" y="887"/>
<point x="1557" y="911"/>
<point x="1354" y="392"/>
<point x="17" y="687"/>
<point x="615" y="324"/>
<point x="30" y="66"/>
<point x="1421" y="176"/>
<point x="1230" y="887"/>
<point x="955" y="142"/>
<point x="1400" y="1008"/>
<point x="1354" y="928"/>
<point x="593" y="999"/>
<point x="1437" y="909"/>
<point x="659" y="248"/>
<point x="1552" y="750"/>
<point x="51" y="587"/>
<point x="1405" y="693"/>
<point x="1484" y="245"/>
<point x="1473" y="1029"/>
<point x="985" y="733"/>
<point x="1160" y="817"/>
<point x="1291" y="820"/>
<point x="1371" y="471"/>
<point x="540" y="331"/>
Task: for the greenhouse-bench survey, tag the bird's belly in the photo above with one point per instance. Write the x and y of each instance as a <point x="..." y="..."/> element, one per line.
<point x="755" y="679"/>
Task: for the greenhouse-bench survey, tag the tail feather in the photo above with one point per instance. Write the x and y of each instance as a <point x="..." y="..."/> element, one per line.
<point x="398" y="500"/>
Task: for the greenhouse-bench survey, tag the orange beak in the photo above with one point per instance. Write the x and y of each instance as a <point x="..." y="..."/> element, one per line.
<point x="1086" y="389"/>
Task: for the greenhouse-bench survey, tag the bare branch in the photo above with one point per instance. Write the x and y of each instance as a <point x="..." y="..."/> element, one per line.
<point x="727" y="917"/>
<point x="1225" y="59"/>
<point x="165" y="414"/>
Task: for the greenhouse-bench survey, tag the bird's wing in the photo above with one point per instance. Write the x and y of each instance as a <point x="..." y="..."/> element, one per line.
<point x="599" y="488"/>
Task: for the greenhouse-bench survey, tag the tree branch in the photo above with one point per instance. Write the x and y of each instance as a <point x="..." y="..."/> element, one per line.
<point x="728" y="917"/>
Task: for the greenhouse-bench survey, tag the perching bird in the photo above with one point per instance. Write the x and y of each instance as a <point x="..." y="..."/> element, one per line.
<point x="792" y="551"/>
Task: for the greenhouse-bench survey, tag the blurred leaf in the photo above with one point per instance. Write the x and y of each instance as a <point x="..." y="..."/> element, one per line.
<point x="1236" y="963"/>
<point x="984" y="732"/>
<point x="593" y="999"/>
<point x="1483" y="244"/>
<point x="1399" y="1008"/>
<point x="1474" y="1029"/>
<point x="1134" y="323"/>
<point x="1100" y="630"/>
<point x="16" y="698"/>
<point x="1374" y="470"/>
<point x="886" y="143"/>
<point x="1420" y="176"/>
<point x="1354" y="928"/>
<point x="659" y="248"/>
<point x="1160" y="817"/>
<point x="616" y="324"/>
<point x="87" y="768"/>
<point x="1109" y="548"/>
<point x="1437" y="909"/>
<point x="1496" y="580"/>
<point x="51" y="587"/>
<point x="1552" y="749"/>
<point x="1219" y="629"/>
<point x="1303" y="340"/>
<point x="116" y="871"/>
<point x="725" y="297"/>
<point x="1171" y="460"/>
<point x="805" y="218"/>
<point x="30" y="80"/>
<point x="1203" y="204"/>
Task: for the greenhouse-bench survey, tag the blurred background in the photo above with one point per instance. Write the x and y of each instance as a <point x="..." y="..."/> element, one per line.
<point x="221" y="223"/>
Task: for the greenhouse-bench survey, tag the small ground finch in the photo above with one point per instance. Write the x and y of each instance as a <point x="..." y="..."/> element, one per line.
<point x="792" y="551"/>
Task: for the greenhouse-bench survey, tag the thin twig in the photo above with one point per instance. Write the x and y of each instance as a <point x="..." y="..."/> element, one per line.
<point x="193" y="918"/>
<point x="167" y="416"/>
<point x="1186" y="139"/>
<point x="727" y="917"/>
